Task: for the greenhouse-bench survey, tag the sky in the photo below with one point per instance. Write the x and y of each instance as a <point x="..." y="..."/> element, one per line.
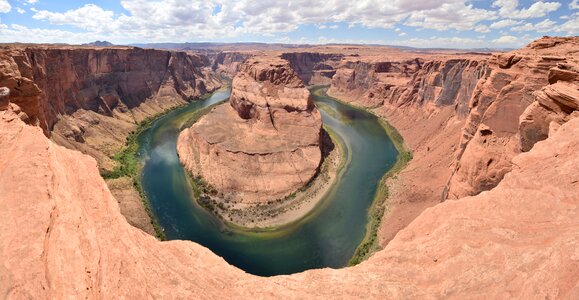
<point x="415" y="23"/>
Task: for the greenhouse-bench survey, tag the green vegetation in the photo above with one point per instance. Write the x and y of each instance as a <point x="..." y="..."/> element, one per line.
<point x="369" y="243"/>
<point x="130" y="166"/>
<point x="128" y="158"/>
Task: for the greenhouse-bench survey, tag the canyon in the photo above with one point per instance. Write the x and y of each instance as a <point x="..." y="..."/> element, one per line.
<point x="487" y="206"/>
<point x="92" y="98"/>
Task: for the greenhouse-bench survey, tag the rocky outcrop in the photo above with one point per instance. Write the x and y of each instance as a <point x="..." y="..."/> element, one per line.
<point x="63" y="237"/>
<point x="314" y="68"/>
<point x="90" y="99"/>
<point x="492" y="135"/>
<point x="484" y="92"/>
<point x="554" y="105"/>
<point x="369" y="82"/>
<point x="265" y="145"/>
<point x="464" y="115"/>
<point x="418" y="81"/>
<point x="227" y="64"/>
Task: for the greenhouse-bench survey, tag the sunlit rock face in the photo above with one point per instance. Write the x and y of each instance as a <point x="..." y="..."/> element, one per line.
<point x="264" y="144"/>
<point x="63" y="237"/>
<point x="91" y="98"/>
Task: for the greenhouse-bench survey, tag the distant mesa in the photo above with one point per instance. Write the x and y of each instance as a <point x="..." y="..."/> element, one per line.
<point x="99" y="44"/>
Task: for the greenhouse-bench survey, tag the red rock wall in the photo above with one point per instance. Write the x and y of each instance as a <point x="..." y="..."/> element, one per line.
<point x="491" y="135"/>
<point x="50" y="82"/>
<point x="313" y="68"/>
<point x="62" y="236"/>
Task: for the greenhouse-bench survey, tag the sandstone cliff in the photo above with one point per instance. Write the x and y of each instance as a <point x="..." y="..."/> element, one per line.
<point x="62" y="236"/>
<point x="490" y="137"/>
<point x="89" y="99"/>
<point x="314" y="68"/>
<point x="459" y="113"/>
<point x="227" y="64"/>
<point x="265" y="145"/>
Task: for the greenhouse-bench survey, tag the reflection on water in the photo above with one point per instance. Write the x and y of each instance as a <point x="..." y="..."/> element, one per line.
<point x="327" y="239"/>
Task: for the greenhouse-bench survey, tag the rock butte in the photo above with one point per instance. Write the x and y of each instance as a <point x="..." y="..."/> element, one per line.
<point x="502" y="127"/>
<point x="265" y="145"/>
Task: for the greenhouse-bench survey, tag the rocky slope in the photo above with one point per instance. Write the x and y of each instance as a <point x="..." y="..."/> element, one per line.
<point x="459" y="113"/>
<point x="314" y="68"/>
<point x="490" y="137"/>
<point x="518" y="240"/>
<point x="90" y="99"/>
<point x="265" y="145"/>
<point x="227" y="64"/>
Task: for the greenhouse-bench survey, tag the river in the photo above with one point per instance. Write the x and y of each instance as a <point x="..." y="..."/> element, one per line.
<point x="328" y="237"/>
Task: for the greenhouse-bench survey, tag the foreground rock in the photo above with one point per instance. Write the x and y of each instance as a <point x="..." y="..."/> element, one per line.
<point x="265" y="145"/>
<point x="62" y="236"/>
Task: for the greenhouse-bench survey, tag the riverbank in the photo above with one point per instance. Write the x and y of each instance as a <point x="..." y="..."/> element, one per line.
<point x="380" y="205"/>
<point x="279" y="212"/>
<point x="124" y="180"/>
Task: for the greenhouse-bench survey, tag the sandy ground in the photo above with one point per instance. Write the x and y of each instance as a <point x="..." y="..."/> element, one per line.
<point x="130" y="203"/>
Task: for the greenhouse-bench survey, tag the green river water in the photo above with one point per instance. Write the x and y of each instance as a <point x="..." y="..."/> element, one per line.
<point x="327" y="237"/>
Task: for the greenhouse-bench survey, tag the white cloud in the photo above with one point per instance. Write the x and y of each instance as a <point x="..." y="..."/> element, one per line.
<point x="504" y="23"/>
<point x="177" y="19"/>
<point x="5" y="7"/>
<point x="89" y="17"/>
<point x="570" y="27"/>
<point x="455" y="15"/>
<point x="506" y="39"/>
<point x="189" y="20"/>
<point x="509" y="9"/>
<point x="442" y="42"/>
<point x="574" y="4"/>
<point x="402" y="34"/>
<point x="482" y="29"/>
<point x="20" y="10"/>
<point x="543" y="26"/>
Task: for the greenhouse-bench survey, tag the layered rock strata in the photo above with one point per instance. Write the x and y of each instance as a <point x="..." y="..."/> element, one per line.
<point x="491" y="135"/>
<point x="62" y="236"/>
<point x="265" y="144"/>
<point x="312" y="67"/>
<point x="90" y="99"/>
<point x="459" y="113"/>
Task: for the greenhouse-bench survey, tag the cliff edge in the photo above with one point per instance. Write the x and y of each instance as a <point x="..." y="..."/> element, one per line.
<point x="518" y="240"/>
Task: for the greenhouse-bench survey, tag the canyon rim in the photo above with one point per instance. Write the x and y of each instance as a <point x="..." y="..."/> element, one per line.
<point x="477" y="197"/>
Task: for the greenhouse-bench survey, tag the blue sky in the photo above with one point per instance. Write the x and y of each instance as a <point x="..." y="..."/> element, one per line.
<point x="417" y="23"/>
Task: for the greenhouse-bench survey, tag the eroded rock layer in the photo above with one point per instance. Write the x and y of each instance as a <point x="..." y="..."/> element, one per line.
<point x="90" y="99"/>
<point x="62" y="236"/>
<point x="464" y="115"/>
<point x="265" y="144"/>
<point x="492" y="134"/>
